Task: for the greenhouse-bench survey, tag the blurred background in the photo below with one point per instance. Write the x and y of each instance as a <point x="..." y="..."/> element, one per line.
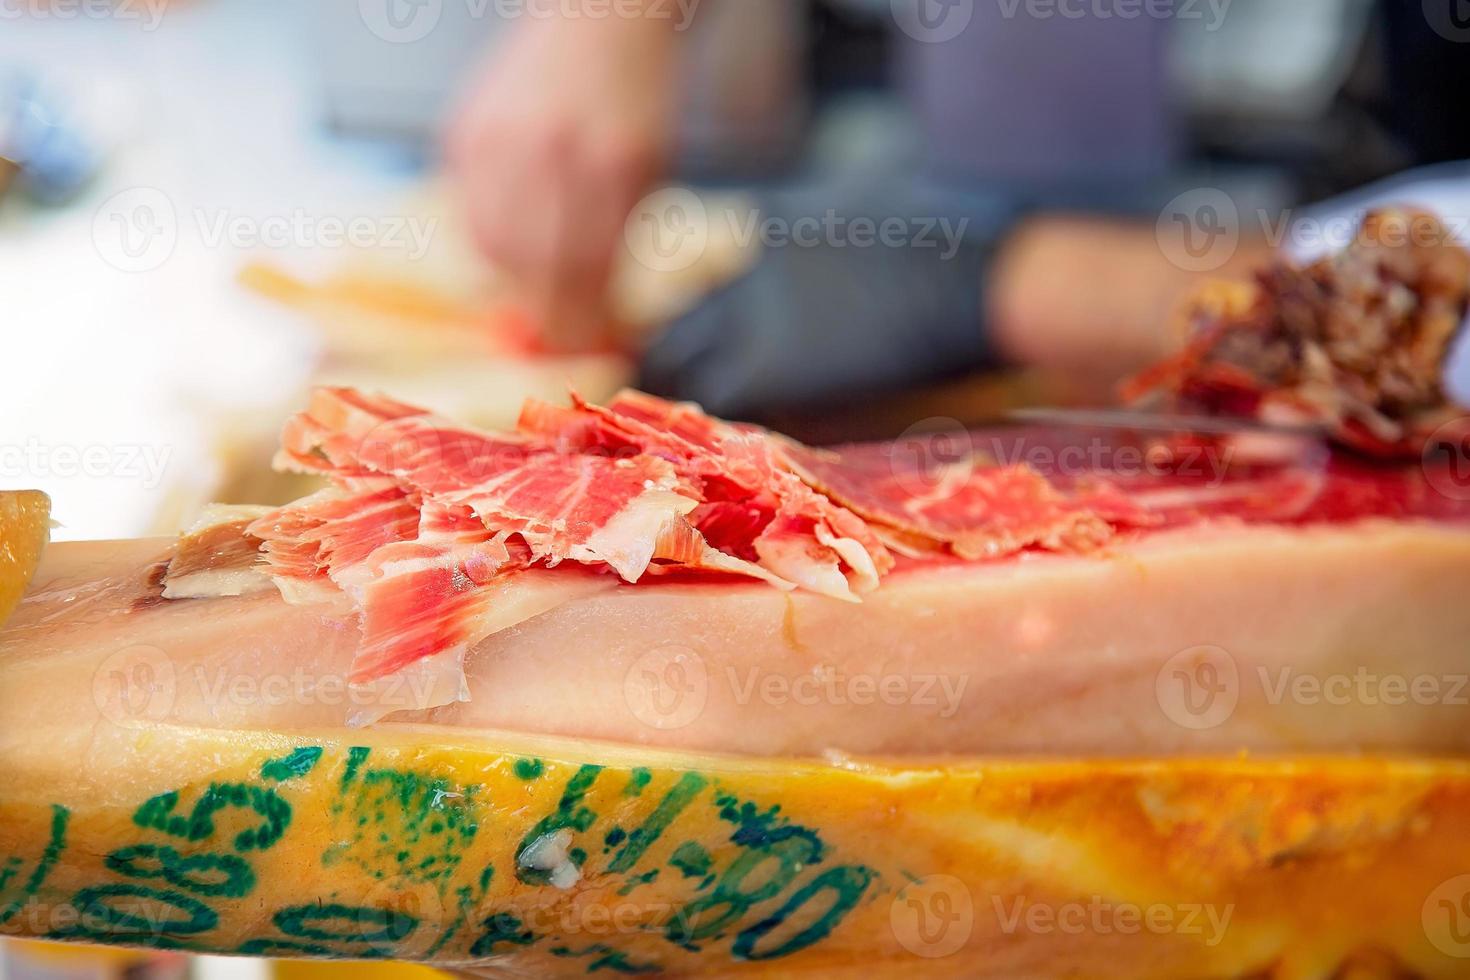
<point x="838" y="217"/>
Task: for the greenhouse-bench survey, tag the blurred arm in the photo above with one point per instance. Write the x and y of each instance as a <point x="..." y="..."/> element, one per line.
<point x="1091" y="297"/>
<point x="558" y="137"/>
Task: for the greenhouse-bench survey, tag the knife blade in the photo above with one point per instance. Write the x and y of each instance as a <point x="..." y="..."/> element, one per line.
<point x="1109" y="418"/>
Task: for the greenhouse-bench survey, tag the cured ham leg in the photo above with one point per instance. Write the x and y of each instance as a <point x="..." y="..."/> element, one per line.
<point x="1216" y="637"/>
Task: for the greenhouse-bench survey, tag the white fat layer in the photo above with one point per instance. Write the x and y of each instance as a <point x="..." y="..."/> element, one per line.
<point x="213" y="515"/>
<point x="627" y="541"/>
<point x="216" y="583"/>
<point x="719" y="561"/>
<point x="790" y="557"/>
<point x="298" y="592"/>
<point x="864" y="574"/>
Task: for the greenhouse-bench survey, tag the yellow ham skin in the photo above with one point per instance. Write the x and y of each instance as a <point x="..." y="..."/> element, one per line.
<point x="1311" y="868"/>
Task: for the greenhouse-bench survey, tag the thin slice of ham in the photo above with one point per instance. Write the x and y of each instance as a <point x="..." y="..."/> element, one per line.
<point x="308" y="544"/>
<point x="974" y="510"/>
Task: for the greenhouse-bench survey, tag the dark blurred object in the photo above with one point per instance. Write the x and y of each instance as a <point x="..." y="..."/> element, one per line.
<point x="1428" y="70"/>
<point x="851" y="49"/>
<point x="836" y="311"/>
<point x="42" y="154"/>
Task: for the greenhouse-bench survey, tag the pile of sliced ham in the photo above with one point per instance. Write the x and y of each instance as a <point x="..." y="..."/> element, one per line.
<point x="1355" y="342"/>
<point x="427" y="526"/>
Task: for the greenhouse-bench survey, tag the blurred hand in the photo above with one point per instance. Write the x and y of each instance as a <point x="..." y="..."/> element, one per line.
<point x="558" y="138"/>
<point x="828" y="320"/>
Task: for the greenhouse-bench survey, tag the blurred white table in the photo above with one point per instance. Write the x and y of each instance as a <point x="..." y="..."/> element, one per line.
<point x="116" y="350"/>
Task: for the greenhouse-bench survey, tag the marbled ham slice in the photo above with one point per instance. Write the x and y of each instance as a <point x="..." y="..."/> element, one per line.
<point x="309" y="544"/>
<point x="756" y="508"/>
<point x="974" y="510"/>
<point x="327" y="437"/>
